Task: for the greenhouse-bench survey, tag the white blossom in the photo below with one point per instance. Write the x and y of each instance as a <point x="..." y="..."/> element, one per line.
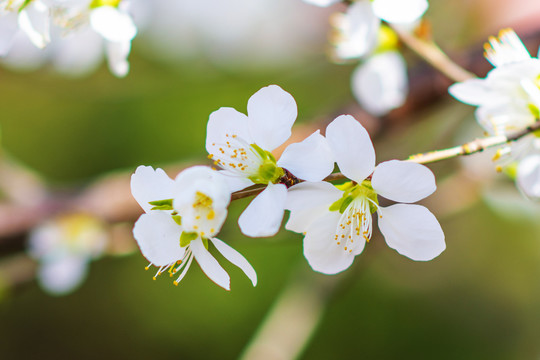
<point x="182" y="217"/>
<point x="242" y="146"/>
<point x="63" y="248"/>
<point x="337" y="220"/>
<point x="508" y="100"/>
<point x="380" y="84"/>
<point x="358" y="27"/>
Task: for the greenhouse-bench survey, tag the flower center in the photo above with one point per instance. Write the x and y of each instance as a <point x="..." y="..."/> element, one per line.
<point x="246" y="160"/>
<point x="356" y="205"/>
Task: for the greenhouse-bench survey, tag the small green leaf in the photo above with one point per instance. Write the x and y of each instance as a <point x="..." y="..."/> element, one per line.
<point x="177" y="219"/>
<point x="187" y="237"/>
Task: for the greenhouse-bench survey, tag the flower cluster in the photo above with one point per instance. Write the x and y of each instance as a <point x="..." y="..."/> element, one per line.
<point x="183" y="216"/>
<point x="77" y="31"/>
<point x="380" y="83"/>
<point x="508" y="100"/>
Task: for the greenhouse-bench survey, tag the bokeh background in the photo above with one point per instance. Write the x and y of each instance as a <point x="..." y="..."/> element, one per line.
<point x="479" y="300"/>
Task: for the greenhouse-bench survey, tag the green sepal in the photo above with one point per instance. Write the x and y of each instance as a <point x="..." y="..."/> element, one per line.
<point x="162" y="204"/>
<point x="263" y="154"/>
<point x="177" y="219"/>
<point x="25" y="4"/>
<point x="534" y="110"/>
<point x="352" y="191"/>
<point x="205" y="242"/>
<point x="98" y="3"/>
<point x="187" y="237"/>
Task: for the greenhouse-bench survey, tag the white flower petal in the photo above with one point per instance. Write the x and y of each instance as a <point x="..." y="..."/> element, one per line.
<point x="158" y="236"/>
<point x="78" y="54"/>
<point x="34" y="21"/>
<point x="8" y="29"/>
<point x="235" y="182"/>
<point x="272" y="112"/>
<point x="201" y="183"/>
<point x="236" y="258"/>
<point x="412" y="230"/>
<point x="62" y="276"/>
<point x="400" y="11"/>
<point x="528" y="176"/>
<point x="117" y="54"/>
<point x="309" y="160"/>
<point x="380" y="84"/>
<point x="322" y="3"/>
<point x="358" y="29"/>
<point x="307" y="202"/>
<point x="352" y="147"/>
<point x="224" y="123"/>
<point x="112" y="24"/>
<point x="264" y="214"/>
<point x="209" y="265"/>
<point x="320" y="248"/>
<point x="148" y="185"/>
<point x="403" y="181"/>
<point x="472" y="92"/>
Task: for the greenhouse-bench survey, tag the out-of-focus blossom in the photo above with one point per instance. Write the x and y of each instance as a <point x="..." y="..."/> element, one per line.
<point x="337" y="220"/>
<point x="234" y="33"/>
<point x="182" y="217"/>
<point x="380" y="84"/>
<point x="63" y="248"/>
<point x="78" y="34"/>
<point x="358" y="27"/>
<point x="508" y="100"/>
<point x="32" y="17"/>
<point x="242" y="146"/>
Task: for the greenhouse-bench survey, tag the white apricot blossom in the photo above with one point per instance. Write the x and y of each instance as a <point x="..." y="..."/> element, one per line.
<point x="182" y="216"/>
<point x="64" y="248"/>
<point x="358" y="27"/>
<point x="30" y="17"/>
<point x="90" y="28"/>
<point x="380" y="84"/>
<point x="241" y="145"/>
<point x="508" y="100"/>
<point x="337" y="220"/>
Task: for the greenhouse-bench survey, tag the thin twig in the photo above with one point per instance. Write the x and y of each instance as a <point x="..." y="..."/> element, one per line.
<point x="471" y="147"/>
<point x="431" y="53"/>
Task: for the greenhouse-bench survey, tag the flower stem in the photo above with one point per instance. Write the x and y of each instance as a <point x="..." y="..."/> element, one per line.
<point x="471" y="147"/>
<point x="432" y="54"/>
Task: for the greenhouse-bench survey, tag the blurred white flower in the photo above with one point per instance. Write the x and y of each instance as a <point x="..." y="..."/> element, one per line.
<point x="242" y="146"/>
<point x="182" y="217"/>
<point x="337" y="220"/>
<point x="63" y="248"/>
<point x="358" y="27"/>
<point x="322" y="3"/>
<point x="30" y="17"/>
<point x="380" y="84"/>
<point x="508" y="100"/>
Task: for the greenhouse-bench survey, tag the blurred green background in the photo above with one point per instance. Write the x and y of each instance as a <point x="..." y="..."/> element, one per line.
<point x="479" y="300"/>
